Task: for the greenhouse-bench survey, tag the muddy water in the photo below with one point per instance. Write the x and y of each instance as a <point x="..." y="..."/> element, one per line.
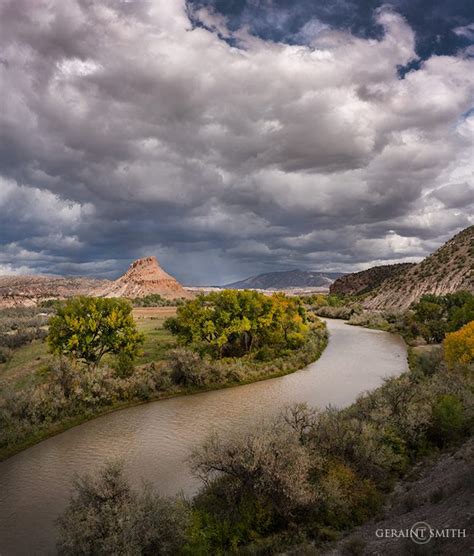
<point x="155" y="439"/>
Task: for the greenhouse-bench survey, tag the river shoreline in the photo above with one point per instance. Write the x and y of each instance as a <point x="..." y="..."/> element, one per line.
<point x="75" y="421"/>
<point x="154" y="440"/>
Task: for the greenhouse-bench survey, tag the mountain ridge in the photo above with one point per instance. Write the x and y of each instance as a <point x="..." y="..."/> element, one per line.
<point x="286" y="279"/>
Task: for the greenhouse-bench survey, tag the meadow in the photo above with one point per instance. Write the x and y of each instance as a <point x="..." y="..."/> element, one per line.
<point x="27" y="362"/>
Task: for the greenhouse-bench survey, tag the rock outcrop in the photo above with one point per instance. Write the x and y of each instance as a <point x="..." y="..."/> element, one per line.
<point x="144" y="277"/>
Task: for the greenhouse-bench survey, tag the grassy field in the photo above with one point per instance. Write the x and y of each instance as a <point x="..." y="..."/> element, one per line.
<point x="157" y="340"/>
<point x="27" y="362"/>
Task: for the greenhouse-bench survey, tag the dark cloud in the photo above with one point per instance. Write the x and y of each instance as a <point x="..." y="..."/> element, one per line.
<point x="133" y="128"/>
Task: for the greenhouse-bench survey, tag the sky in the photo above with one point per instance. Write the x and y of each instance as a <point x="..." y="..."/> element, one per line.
<point x="233" y="137"/>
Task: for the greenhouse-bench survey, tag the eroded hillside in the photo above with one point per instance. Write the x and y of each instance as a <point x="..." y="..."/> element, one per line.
<point x="447" y="270"/>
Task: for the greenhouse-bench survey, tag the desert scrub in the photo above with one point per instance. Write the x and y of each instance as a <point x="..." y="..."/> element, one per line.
<point x="70" y="391"/>
<point x="21" y="326"/>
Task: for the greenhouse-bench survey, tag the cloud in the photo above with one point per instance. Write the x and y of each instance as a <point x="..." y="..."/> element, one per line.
<point x="128" y="129"/>
<point x="465" y="31"/>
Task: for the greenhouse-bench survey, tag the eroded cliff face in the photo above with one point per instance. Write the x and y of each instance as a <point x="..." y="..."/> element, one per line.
<point x="144" y="276"/>
<point x="29" y="290"/>
<point x="449" y="269"/>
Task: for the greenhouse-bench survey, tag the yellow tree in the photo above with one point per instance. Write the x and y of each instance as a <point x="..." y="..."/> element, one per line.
<point x="459" y="346"/>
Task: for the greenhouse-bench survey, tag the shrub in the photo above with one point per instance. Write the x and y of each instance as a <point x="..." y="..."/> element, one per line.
<point x="5" y="354"/>
<point x="268" y="463"/>
<point x="345" y="498"/>
<point x="448" y="420"/>
<point x="123" y="365"/>
<point x="426" y="363"/>
<point x="360" y="443"/>
<point x="105" y="516"/>
<point x="186" y="368"/>
<point x="336" y="312"/>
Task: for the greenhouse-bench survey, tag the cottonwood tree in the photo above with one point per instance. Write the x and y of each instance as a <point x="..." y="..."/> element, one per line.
<point x="233" y="323"/>
<point x="87" y="328"/>
<point x="459" y="346"/>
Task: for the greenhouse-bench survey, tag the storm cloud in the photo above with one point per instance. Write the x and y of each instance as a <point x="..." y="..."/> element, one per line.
<point x="136" y="128"/>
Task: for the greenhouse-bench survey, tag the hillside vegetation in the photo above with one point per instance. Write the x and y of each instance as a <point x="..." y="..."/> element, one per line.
<point x="366" y="281"/>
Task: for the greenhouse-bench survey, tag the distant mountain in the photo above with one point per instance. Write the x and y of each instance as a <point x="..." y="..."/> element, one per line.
<point x="447" y="270"/>
<point x="144" y="276"/>
<point x="286" y="279"/>
<point x="366" y="281"/>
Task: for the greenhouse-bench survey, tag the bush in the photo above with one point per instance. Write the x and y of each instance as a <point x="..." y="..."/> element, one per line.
<point x="268" y="463"/>
<point x="448" y="420"/>
<point x="253" y="482"/>
<point x="186" y="368"/>
<point x="105" y="516"/>
<point x="5" y="354"/>
<point x="360" y="443"/>
<point x="425" y="362"/>
<point x="330" y="312"/>
<point x="123" y="365"/>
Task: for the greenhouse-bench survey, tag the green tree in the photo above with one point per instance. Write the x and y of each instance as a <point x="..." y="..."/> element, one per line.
<point x="435" y="315"/>
<point x="87" y="328"/>
<point x="232" y="323"/>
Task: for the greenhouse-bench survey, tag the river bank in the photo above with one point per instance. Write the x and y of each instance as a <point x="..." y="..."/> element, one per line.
<point x="155" y="439"/>
<point x="252" y="372"/>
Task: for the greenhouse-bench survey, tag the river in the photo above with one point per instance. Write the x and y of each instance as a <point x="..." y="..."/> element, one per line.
<point x="155" y="439"/>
